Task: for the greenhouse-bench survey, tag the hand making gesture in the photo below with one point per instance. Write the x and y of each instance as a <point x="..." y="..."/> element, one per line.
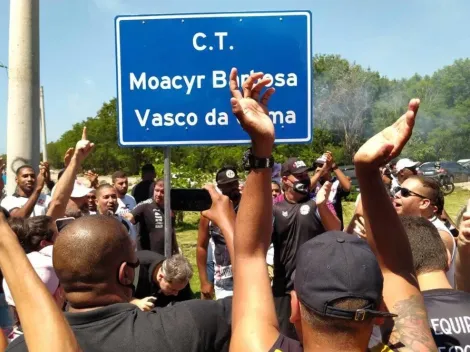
<point x="252" y="110"/>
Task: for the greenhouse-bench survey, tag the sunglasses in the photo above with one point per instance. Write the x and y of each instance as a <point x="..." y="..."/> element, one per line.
<point x="405" y="193"/>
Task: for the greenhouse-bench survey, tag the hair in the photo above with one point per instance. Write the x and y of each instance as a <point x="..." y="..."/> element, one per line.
<point x="26" y="166"/>
<point x="276" y="183"/>
<point x="177" y="269"/>
<point x="336" y="325"/>
<point x="436" y="196"/>
<point x="61" y="172"/>
<point x="160" y="180"/>
<point x="19" y="227"/>
<point x="37" y="230"/>
<point x="147" y="168"/>
<point x="428" y="249"/>
<point x="118" y="174"/>
<point x="101" y="188"/>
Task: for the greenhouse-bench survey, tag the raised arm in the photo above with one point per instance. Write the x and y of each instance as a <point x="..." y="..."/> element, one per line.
<point x="207" y="289"/>
<point x="36" y="319"/>
<point x="388" y="237"/>
<point x="65" y="185"/>
<point x="254" y="325"/>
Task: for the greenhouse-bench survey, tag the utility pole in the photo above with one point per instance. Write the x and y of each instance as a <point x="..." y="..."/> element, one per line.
<point x="23" y="88"/>
<point x="43" y="125"/>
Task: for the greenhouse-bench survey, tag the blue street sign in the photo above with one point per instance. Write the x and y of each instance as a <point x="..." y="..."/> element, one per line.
<point x="173" y="74"/>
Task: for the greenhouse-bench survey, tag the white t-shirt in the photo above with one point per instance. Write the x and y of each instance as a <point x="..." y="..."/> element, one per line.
<point x="125" y="204"/>
<point x="440" y="226"/>
<point x="14" y="202"/>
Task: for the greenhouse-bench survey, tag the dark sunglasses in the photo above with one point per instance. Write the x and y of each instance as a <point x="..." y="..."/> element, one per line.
<point x="405" y="193"/>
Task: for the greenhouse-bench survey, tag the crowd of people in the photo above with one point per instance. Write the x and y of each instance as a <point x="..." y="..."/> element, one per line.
<point x="280" y="267"/>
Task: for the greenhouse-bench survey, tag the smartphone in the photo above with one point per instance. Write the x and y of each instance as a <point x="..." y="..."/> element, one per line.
<point x="62" y="222"/>
<point x="190" y="199"/>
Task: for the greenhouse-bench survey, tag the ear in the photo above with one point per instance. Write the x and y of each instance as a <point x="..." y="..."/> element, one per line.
<point x="124" y="274"/>
<point x="449" y="259"/>
<point x="295" y="308"/>
<point x="425" y="204"/>
<point x="44" y="243"/>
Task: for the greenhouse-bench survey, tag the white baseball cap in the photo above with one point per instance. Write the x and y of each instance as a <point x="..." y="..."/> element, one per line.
<point x="405" y="164"/>
<point x="79" y="190"/>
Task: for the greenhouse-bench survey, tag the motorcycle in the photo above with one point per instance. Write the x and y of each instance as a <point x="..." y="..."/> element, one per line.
<point x="446" y="181"/>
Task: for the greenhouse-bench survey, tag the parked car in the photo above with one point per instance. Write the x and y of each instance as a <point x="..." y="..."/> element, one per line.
<point x="350" y="172"/>
<point x="456" y="171"/>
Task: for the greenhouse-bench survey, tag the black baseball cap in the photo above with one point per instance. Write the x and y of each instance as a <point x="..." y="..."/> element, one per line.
<point x="294" y="166"/>
<point x="226" y="175"/>
<point x="335" y="266"/>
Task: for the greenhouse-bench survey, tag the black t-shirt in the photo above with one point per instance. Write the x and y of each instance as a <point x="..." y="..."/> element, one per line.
<point x="293" y="225"/>
<point x="142" y="191"/>
<point x="152" y="230"/>
<point x="194" y="325"/>
<point x="449" y="318"/>
<point x="286" y="344"/>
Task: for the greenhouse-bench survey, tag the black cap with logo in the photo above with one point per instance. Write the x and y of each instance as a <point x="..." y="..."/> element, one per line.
<point x="226" y="175"/>
<point x="336" y="266"/>
<point x="294" y="166"/>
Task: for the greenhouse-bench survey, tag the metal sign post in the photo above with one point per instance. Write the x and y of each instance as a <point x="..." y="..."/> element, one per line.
<point x="167" y="203"/>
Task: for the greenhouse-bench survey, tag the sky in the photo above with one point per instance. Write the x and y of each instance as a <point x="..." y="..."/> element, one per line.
<point x="397" y="38"/>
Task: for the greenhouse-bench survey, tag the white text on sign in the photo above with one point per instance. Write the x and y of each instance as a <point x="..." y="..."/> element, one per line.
<point x="188" y="83"/>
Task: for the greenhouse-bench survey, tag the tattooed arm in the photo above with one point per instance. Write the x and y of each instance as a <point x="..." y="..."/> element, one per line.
<point x="388" y="238"/>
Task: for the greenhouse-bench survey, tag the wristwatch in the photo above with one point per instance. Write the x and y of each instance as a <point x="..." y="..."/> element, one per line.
<point x="251" y="161"/>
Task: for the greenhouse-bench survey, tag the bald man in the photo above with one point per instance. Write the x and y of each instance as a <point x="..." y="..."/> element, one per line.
<point x="95" y="262"/>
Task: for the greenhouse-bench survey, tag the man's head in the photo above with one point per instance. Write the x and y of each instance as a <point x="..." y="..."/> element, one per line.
<point x="95" y="262"/>
<point x="295" y="177"/>
<point x="41" y="231"/>
<point x="228" y="183"/>
<point x="159" y="193"/>
<point x="26" y="178"/>
<point x="337" y="287"/>
<point x="405" y="168"/>
<point x="78" y="202"/>
<point x="120" y="183"/>
<point x="91" y="200"/>
<point x="419" y="196"/>
<point x="275" y="188"/>
<point x="148" y="172"/>
<point x="106" y="199"/>
<point x="428" y="250"/>
<point x="173" y="275"/>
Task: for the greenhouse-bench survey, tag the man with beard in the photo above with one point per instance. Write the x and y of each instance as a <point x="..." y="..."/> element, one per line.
<point x="228" y="183"/>
<point x="126" y="202"/>
<point x="296" y="219"/>
<point x="150" y="215"/>
<point x="28" y="200"/>
<point x="107" y="204"/>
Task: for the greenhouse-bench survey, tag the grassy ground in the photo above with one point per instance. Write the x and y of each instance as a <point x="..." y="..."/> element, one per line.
<point x="187" y="231"/>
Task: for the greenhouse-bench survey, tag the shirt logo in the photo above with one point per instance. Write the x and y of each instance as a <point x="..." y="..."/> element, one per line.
<point x="285" y="214"/>
<point x="304" y="209"/>
<point x="230" y="174"/>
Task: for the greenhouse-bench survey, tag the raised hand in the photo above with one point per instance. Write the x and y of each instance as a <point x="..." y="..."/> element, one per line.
<point x="84" y="147"/>
<point x="388" y="144"/>
<point x="464" y="229"/>
<point x="324" y="193"/>
<point x="221" y="211"/>
<point x="41" y="179"/>
<point x="68" y="156"/>
<point x="47" y="171"/>
<point x="252" y="111"/>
